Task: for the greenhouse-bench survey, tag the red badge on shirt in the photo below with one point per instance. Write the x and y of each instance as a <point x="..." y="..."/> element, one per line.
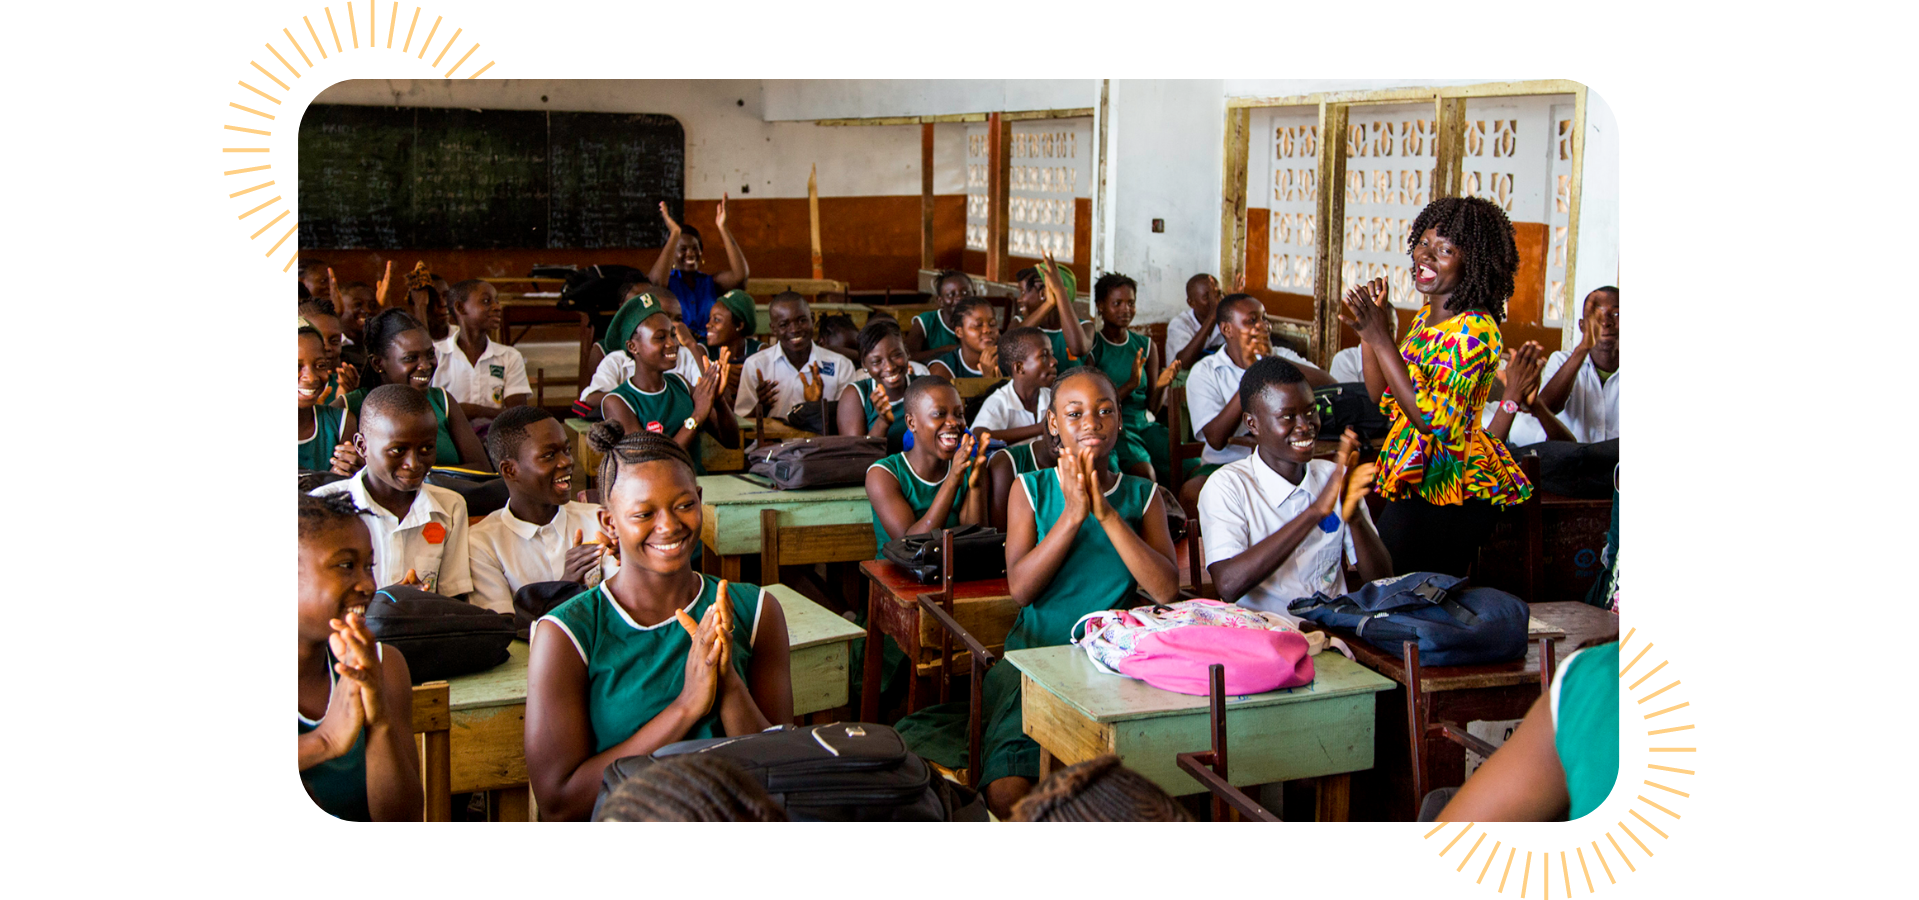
<point x="434" y="532"/>
<point x="655" y="428"/>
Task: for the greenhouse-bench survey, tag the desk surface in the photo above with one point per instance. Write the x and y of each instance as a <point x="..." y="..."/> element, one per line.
<point x="902" y="589"/>
<point x="809" y="624"/>
<point x="727" y="490"/>
<point x="502" y="685"/>
<point x="1066" y="673"/>
<point x="1584" y="625"/>
<point x="732" y="505"/>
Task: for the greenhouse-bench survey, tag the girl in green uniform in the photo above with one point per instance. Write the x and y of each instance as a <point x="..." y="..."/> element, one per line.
<point x="872" y="406"/>
<point x="657" y="399"/>
<point x="935" y="331"/>
<point x="1131" y="360"/>
<point x="617" y="671"/>
<point x="325" y="430"/>
<point x="935" y="484"/>
<point x="1080" y="538"/>
<point x="1005" y="467"/>
<point x="977" y="355"/>
<point x="732" y="325"/>
<point x="399" y="351"/>
<point x="1562" y="760"/>
<point x="357" y="759"/>
<point x="1070" y="347"/>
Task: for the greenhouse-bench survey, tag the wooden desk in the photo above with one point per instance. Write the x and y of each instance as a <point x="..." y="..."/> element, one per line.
<point x="1464" y="694"/>
<point x="1323" y="730"/>
<point x="489" y="708"/>
<point x="984" y="608"/>
<point x="586" y="460"/>
<point x="775" y="429"/>
<point x="730" y="507"/>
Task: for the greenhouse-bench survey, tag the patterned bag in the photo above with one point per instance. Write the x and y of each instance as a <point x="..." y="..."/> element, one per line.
<point x="1170" y="646"/>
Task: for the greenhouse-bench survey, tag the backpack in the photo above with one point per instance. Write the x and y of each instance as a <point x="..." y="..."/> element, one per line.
<point x="1454" y="625"/>
<point x="843" y="772"/>
<point x="1170" y="646"/>
<point x="1347" y="405"/>
<point x="484" y="492"/>
<point x="825" y="461"/>
<point x="979" y="551"/>
<point x="594" y="289"/>
<point x="537" y="598"/>
<point x="440" y="636"/>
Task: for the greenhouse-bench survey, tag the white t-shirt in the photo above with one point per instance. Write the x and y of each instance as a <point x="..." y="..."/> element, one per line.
<point x="617" y="367"/>
<point x="507" y="553"/>
<point x="1348" y="366"/>
<point x="1213" y="384"/>
<point x="400" y="544"/>
<point x="1181" y="330"/>
<point x="1002" y="410"/>
<point x="1592" y="408"/>
<point x="1246" y="501"/>
<point x="499" y="373"/>
<point x="771" y="364"/>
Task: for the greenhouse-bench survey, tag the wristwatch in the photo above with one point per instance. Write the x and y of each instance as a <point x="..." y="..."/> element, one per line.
<point x="695" y="423"/>
<point x="1505" y="406"/>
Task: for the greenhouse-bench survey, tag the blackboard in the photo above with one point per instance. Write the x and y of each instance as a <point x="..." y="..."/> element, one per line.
<point x="389" y="178"/>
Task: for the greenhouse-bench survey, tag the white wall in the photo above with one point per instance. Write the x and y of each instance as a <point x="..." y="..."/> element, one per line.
<point x="1164" y="162"/>
<point x="728" y="145"/>
<point x="1598" y="262"/>
<point x="822" y="98"/>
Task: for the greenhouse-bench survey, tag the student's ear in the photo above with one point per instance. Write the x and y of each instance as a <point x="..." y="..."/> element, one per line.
<point x="359" y="444"/>
<point x="1251" y="423"/>
<point x="509" y="468"/>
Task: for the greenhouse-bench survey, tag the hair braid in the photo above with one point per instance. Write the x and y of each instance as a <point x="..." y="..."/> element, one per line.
<point x="690" y="788"/>
<point x="621" y="451"/>
<point x="1098" y="790"/>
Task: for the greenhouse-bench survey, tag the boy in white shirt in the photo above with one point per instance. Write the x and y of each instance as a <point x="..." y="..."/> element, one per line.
<point x="1582" y="386"/>
<point x="1013" y="412"/>
<point x="778" y="377"/>
<point x="484" y="376"/>
<point x="1280" y="525"/>
<point x="542" y="534"/>
<point x="417" y="528"/>
<point x="1183" y="333"/>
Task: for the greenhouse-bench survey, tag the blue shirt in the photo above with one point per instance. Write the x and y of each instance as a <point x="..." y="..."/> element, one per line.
<point x="697" y="292"/>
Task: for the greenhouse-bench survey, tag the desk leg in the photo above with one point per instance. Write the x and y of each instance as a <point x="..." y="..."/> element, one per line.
<point x="1335" y="797"/>
<point x="1047" y="763"/>
<point x="513" y="804"/>
<point x="730" y="568"/>
<point x="870" y="663"/>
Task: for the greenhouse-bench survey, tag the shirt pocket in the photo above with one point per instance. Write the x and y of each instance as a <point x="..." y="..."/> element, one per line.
<point x="425" y="563"/>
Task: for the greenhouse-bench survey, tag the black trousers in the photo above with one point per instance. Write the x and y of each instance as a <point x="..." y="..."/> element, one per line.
<point x="1425" y="538"/>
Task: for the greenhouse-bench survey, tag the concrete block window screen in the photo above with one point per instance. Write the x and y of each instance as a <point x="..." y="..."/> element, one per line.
<point x="1294" y="154"/>
<point x="1390" y="154"/>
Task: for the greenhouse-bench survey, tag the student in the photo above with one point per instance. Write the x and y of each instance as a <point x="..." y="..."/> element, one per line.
<point x="1562" y="760"/>
<point x="345" y="378"/>
<point x="1443" y="478"/>
<point x="1195" y="331"/>
<point x="656" y="399"/>
<point x="1132" y="362"/>
<point x="873" y="404"/>
<point x="732" y="325"/>
<point x="684" y="252"/>
<point x="1013" y="412"/>
<point x="357" y="759"/>
<point x="1070" y="345"/>
<point x="1278" y="521"/>
<point x="935" y="331"/>
<point x="837" y="333"/>
<point x="426" y="300"/>
<point x="483" y="375"/>
<point x="399" y="351"/>
<point x="1099" y="790"/>
<point x="616" y="365"/>
<point x="314" y="281"/>
<point x="325" y="430"/>
<point x="777" y="378"/>
<point x="1006" y="466"/>
<point x="935" y="484"/>
<point x="540" y="535"/>
<point x="354" y="304"/>
<point x="690" y="787"/>
<point x="1516" y="416"/>
<point x="1212" y="390"/>
<point x="612" y="673"/>
<point x="977" y="355"/>
<point x="1583" y="386"/>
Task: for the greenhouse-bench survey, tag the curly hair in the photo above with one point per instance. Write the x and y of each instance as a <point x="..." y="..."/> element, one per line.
<point x="693" y="787"/>
<point x="1110" y="282"/>
<point x="1098" y="790"/>
<point x="322" y="512"/>
<point x="1480" y="229"/>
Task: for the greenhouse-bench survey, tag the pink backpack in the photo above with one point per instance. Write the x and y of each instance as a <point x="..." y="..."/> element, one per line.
<point x="1169" y="646"/>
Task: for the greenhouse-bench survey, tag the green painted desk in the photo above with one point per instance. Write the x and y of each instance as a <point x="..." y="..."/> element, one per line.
<point x="730" y="521"/>
<point x="1323" y="730"/>
<point x="489" y="708"/>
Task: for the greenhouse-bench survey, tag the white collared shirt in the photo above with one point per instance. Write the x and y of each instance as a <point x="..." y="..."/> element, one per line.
<point x="617" y="367"/>
<point x="771" y="364"/>
<point x="509" y="552"/>
<point x="1002" y="410"/>
<point x="1348" y="366"/>
<point x="1181" y="330"/>
<point x="1592" y="408"/>
<point x="1214" y="382"/>
<point x="400" y="544"/>
<point x="1246" y="501"/>
<point x="499" y="373"/>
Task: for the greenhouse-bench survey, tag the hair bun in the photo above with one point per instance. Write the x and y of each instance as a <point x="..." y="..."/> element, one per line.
<point x="604" y="436"/>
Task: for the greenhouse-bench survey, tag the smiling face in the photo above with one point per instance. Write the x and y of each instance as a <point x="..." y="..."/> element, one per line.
<point x="543" y="469"/>
<point x="1031" y="294"/>
<point x="888" y="363"/>
<point x="1085" y="416"/>
<point x="1285" y="422"/>
<point x="691" y="254"/>
<point x="653" y="343"/>
<point x="480" y="311"/>
<point x="792" y="324"/>
<point x="398" y="449"/>
<point x="1038" y="367"/>
<point x="977" y="330"/>
<point x="410" y="359"/>
<point x="721" y="328"/>
<point x="1606" y="305"/>
<point x="336" y="574"/>
<point x="1120" y="304"/>
<point x="653" y="512"/>
<point x="953" y="290"/>
<point x="355" y="305"/>
<point x="937" y="418"/>
<point x="1438" y="264"/>
<point x="315" y="369"/>
<point x="316" y="283"/>
<point x="330" y="334"/>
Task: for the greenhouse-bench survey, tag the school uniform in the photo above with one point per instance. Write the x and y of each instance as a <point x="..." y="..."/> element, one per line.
<point x="771" y="364"/>
<point x="663" y="412"/>
<point x="500" y="372"/>
<point x="1091" y="578"/>
<point x="1061" y="357"/>
<point x="937" y="334"/>
<point x="896" y="431"/>
<point x="956" y="365"/>
<point x="506" y="552"/>
<point x="1213" y="383"/>
<point x="329" y="429"/>
<point x="1003" y="410"/>
<point x="633" y="671"/>
<point x="1585" y="719"/>
<point x="919" y="494"/>
<point x="616" y="367"/>
<point x="430" y="539"/>
<point x="1592" y="408"/>
<point x="445" y="452"/>
<point x="1246" y="501"/>
<point x="1348" y="366"/>
<point x="1116" y="360"/>
<point x="338" y="786"/>
<point x="697" y="292"/>
<point x="1180" y="331"/>
<point x="1021" y="456"/>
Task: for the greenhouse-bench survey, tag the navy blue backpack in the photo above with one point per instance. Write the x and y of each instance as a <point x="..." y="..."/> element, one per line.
<point x="1453" y="624"/>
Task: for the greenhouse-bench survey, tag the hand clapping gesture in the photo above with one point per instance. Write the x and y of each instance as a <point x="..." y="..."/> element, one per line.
<point x="712" y="383"/>
<point x="1367" y="310"/>
<point x="581" y="558"/>
<point x="814" y="387"/>
<point x="882" y="402"/>
<point x="1167" y="375"/>
<point x="709" y="657"/>
<point x="978" y="462"/>
<point x="989" y="361"/>
<point x="358" y="663"/>
<point x="1523" y="371"/>
<point x="672" y="227"/>
<point x="346" y="459"/>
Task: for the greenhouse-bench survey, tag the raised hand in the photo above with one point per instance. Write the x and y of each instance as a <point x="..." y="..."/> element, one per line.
<point x="1055" y="288"/>
<point x="1239" y="282"/>
<point x="1359" y="483"/>
<point x="814" y="387"/>
<point x="1167" y="375"/>
<point x="333" y="288"/>
<point x="1096" y="504"/>
<point x="978" y="462"/>
<point x="389" y="292"/>
<point x="346" y="459"/>
<point x="719" y="215"/>
<point x="671" y="225"/>
<point x="882" y="402"/>
<point x="581" y="558"/>
<point x="349" y="377"/>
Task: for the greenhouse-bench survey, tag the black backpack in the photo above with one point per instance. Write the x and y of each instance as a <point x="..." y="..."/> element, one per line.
<point x="825" y="461"/>
<point x="1348" y="405"/>
<point x="1453" y="624"/>
<point x="594" y="290"/>
<point x="484" y="492"/>
<point x="440" y="636"/>
<point x="843" y="772"/>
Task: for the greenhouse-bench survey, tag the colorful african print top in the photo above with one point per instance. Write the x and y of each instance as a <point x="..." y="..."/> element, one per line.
<point x="1452" y="367"/>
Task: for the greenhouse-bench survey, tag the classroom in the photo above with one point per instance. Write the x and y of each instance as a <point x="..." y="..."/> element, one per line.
<point x="602" y="382"/>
